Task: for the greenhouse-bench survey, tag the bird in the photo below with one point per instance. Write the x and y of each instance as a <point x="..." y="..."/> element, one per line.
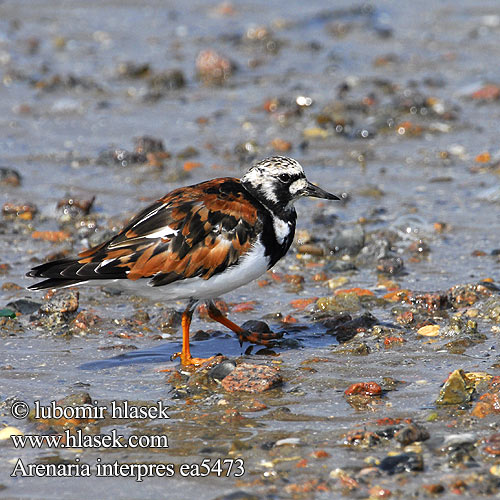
<point x="197" y="243"/>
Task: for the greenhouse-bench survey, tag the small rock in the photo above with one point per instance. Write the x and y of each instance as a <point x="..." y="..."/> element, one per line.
<point x="24" y="306"/>
<point x="71" y="208"/>
<point x="411" y="433"/>
<point x="362" y="438"/>
<point x="429" y="331"/>
<point x="25" y="211"/>
<point x="376" y="249"/>
<point x="9" y="177"/>
<point x="364" y="388"/>
<point x="256" y="326"/>
<point x="456" y="390"/>
<point x="346" y="330"/>
<point x="166" y="81"/>
<point x="291" y="441"/>
<point x="120" y="157"/>
<point x="85" y="319"/>
<point x="432" y="301"/>
<point x="379" y="492"/>
<point x="53" y="236"/>
<point x="61" y="302"/>
<point x="467" y="295"/>
<point x="390" y="265"/>
<point x="493" y="445"/>
<point x="222" y="370"/>
<point x="281" y="145"/>
<point x="406" y="462"/>
<point x="348" y="241"/>
<point x="489" y="92"/>
<point x="213" y="68"/>
<point x="433" y="489"/>
<point x="466" y="438"/>
<point x="147" y="144"/>
<point x="131" y="69"/>
<point x="252" y="378"/>
<point x="488" y="404"/>
<point x="8" y="431"/>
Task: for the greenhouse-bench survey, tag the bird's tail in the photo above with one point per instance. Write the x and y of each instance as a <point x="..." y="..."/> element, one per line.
<point x="58" y="273"/>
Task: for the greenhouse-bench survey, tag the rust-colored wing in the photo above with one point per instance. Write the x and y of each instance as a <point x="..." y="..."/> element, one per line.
<point x="198" y="230"/>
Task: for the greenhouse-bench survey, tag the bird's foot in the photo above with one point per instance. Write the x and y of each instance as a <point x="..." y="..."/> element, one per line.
<point x="261" y="338"/>
<point x="188" y="360"/>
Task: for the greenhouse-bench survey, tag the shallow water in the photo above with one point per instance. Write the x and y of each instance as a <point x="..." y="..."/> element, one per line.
<point x="403" y="182"/>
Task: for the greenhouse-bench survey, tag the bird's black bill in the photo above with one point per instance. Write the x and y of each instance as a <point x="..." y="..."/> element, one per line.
<point x="316" y="192"/>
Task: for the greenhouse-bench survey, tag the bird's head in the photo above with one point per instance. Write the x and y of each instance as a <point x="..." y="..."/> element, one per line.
<point x="279" y="182"/>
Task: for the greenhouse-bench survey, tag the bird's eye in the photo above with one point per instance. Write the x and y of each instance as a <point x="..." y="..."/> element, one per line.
<point x="284" y="177"/>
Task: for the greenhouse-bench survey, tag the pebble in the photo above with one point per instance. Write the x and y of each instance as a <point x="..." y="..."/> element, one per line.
<point x="348" y="328"/>
<point x="493" y="445"/>
<point x="390" y="265"/>
<point x="429" y="331"/>
<point x="71" y="208"/>
<point x="411" y="433"/>
<point x="405" y="462"/>
<point x="288" y="441"/>
<point x="248" y="377"/>
<point x="457" y="389"/>
<point x="9" y="177"/>
<point x="213" y="68"/>
<point x="348" y="241"/>
<point x="24" y="306"/>
<point x="25" y="211"/>
<point x="256" y="326"/>
<point x="222" y="370"/>
<point x="8" y="431"/>
<point x="364" y="388"/>
<point x="61" y="302"/>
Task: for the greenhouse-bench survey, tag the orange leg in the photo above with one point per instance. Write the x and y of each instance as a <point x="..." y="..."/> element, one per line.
<point x="243" y="335"/>
<point x="185" y="354"/>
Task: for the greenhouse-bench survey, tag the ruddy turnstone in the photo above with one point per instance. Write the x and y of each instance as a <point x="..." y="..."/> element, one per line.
<point x="198" y="242"/>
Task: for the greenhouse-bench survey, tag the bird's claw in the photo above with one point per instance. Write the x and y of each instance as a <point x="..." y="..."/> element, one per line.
<point x="261" y="338"/>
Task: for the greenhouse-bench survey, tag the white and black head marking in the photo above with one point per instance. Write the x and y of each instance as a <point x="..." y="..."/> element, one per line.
<point x="280" y="181"/>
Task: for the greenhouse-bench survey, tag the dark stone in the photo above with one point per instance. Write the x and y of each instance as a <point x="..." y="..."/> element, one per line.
<point x="348" y="241"/>
<point x="334" y="321"/>
<point x="120" y="157"/>
<point x="373" y="251"/>
<point x="222" y="370"/>
<point x="411" y="433"/>
<point x="24" y="306"/>
<point x="406" y="462"/>
<point x="340" y="266"/>
<point x="390" y="265"/>
<point x="347" y="330"/>
<point x="147" y="144"/>
<point x="166" y="81"/>
<point x="9" y="177"/>
<point x="388" y="432"/>
<point x="256" y="326"/>
<point x="200" y="335"/>
<point x="432" y="301"/>
<point x="70" y="208"/>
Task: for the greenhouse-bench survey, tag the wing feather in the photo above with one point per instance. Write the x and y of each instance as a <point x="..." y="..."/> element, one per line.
<point x="199" y="230"/>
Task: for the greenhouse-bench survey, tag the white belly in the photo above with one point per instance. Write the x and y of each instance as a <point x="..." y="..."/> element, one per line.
<point x="250" y="267"/>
